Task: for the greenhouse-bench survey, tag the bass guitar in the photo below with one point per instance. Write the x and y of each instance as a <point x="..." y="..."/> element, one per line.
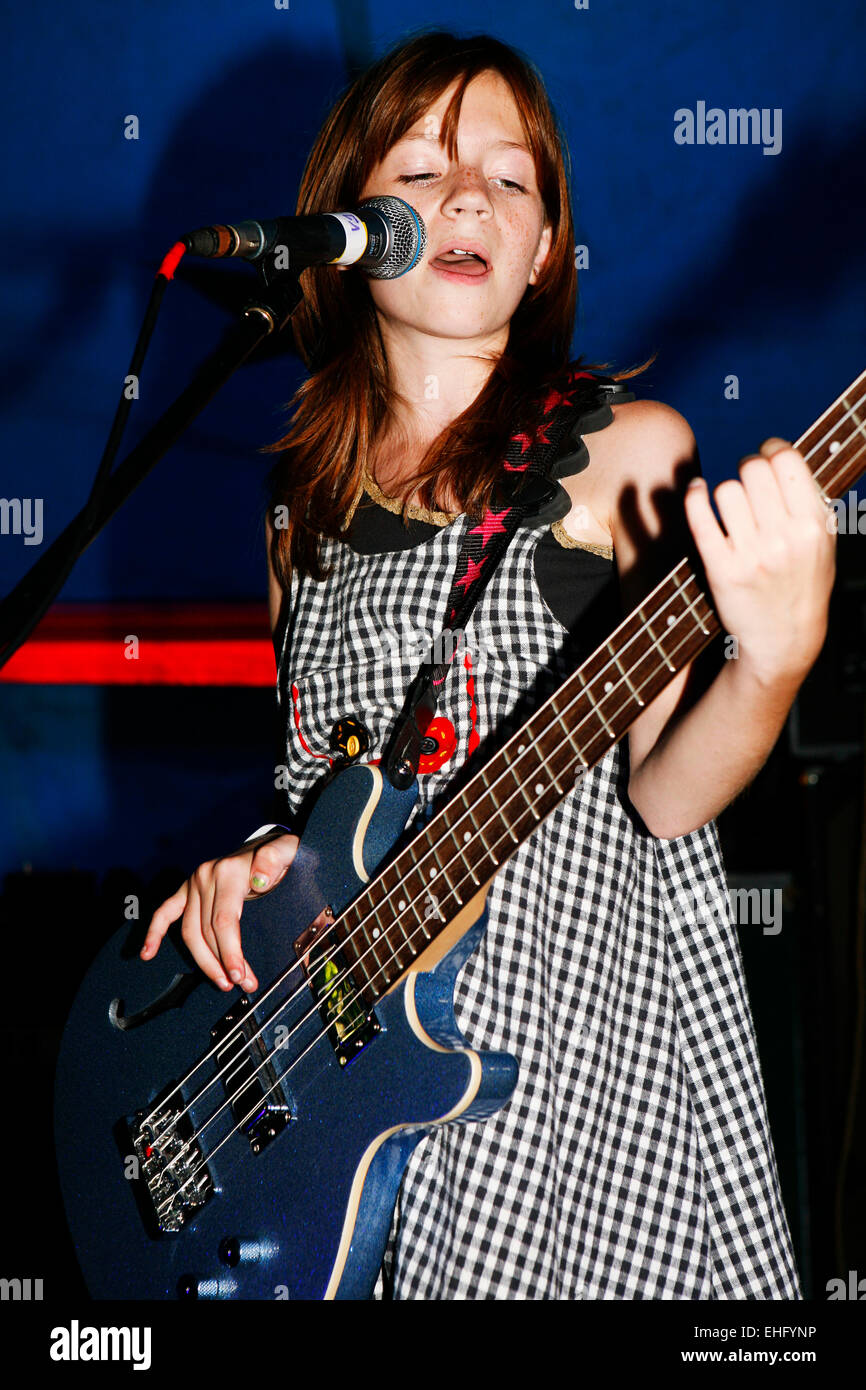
<point x="255" y="1151"/>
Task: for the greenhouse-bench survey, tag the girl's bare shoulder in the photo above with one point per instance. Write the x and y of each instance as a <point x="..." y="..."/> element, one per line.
<point x="645" y="455"/>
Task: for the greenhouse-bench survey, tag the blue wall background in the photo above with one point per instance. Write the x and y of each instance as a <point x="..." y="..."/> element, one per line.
<point x="723" y="259"/>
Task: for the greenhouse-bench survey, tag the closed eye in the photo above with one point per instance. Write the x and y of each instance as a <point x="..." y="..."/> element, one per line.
<point x="416" y="178"/>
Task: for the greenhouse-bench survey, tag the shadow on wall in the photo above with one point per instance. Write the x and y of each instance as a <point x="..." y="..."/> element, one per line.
<point x="795" y="245"/>
<point x="239" y="150"/>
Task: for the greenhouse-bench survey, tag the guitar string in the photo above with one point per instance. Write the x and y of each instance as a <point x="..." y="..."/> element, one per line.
<point x="360" y="924"/>
<point x="380" y="969"/>
<point x="313" y="1011"/>
<point x="335" y="984"/>
<point x="452" y="890"/>
<point x="207" y="1158"/>
<point x="296" y="965"/>
<point x="313" y="1042"/>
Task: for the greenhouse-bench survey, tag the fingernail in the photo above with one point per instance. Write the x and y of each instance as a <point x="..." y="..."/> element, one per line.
<point x="223" y="982"/>
<point x="235" y="975"/>
<point x="696" y="482"/>
<point x="259" y="881"/>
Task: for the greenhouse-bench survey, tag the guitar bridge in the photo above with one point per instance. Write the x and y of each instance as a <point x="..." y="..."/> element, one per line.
<point x="177" y="1183"/>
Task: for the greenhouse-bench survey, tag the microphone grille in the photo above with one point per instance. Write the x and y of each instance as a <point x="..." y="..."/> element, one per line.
<point x="407" y="241"/>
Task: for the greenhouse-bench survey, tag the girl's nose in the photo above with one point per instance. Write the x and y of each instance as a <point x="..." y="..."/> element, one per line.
<point x="467" y="191"/>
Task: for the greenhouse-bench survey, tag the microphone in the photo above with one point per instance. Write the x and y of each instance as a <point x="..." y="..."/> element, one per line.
<point x="385" y="237"/>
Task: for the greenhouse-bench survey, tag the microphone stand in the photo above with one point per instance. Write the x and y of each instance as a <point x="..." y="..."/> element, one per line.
<point x="266" y="314"/>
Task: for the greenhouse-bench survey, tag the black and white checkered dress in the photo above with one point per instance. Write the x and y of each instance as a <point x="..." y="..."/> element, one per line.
<point x="634" y="1159"/>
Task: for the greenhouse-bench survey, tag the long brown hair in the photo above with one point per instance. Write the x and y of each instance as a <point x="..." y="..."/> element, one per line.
<point x="339" y="410"/>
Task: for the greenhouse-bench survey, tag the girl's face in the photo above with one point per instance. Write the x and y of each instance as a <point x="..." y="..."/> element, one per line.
<point x="486" y="200"/>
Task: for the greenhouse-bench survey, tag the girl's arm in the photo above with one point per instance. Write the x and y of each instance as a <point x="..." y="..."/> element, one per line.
<point x="275" y="592"/>
<point x="770" y="578"/>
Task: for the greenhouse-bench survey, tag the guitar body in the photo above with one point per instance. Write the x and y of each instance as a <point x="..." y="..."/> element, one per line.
<point x="303" y="1212"/>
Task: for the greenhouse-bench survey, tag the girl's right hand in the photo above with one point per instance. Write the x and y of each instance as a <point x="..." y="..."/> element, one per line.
<point x="211" y="902"/>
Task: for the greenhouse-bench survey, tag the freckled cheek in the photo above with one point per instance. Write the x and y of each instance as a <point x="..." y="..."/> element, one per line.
<point x="523" y="240"/>
<point x="519" y="263"/>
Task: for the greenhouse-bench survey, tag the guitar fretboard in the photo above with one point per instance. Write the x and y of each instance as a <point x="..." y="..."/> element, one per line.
<point x="405" y="908"/>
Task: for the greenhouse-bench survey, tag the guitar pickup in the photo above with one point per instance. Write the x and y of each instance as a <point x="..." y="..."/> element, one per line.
<point x="251" y="1085"/>
<point x="351" y="1023"/>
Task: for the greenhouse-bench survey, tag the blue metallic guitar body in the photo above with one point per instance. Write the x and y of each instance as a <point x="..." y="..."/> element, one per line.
<point x="297" y="1201"/>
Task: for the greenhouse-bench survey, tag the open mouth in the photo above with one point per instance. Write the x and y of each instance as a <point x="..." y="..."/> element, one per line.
<point x="460" y="262"/>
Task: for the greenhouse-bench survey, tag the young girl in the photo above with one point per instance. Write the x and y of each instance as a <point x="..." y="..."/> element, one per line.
<point x="634" y="1158"/>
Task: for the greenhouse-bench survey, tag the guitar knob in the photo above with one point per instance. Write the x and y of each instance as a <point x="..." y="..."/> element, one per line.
<point x="349" y="739"/>
<point x="233" y="1251"/>
<point x="192" y="1286"/>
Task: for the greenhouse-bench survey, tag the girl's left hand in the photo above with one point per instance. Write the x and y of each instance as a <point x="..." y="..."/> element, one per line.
<point x="772" y="574"/>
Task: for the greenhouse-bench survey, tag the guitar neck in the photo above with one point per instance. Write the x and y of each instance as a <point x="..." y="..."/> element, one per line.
<point x="405" y="908"/>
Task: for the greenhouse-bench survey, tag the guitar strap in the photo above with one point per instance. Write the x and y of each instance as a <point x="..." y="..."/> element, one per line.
<point x="525" y="485"/>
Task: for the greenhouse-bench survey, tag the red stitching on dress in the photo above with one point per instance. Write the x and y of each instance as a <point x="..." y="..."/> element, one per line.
<point x="297" y="717"/>
<point x="474" y="738"/>
<point x="441" y="732"/>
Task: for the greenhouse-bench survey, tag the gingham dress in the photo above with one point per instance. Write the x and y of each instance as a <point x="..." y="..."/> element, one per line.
<point x="634" y="1159"/>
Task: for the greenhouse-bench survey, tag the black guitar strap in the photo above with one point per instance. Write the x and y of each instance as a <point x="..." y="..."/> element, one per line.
<point x="524" y="487"/>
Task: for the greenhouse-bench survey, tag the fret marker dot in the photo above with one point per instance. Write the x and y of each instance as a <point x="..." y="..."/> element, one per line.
<point x="539" y="788"/>
<point x="522" y="748"/>
<point x="375" y="932"/>
<point x="835" y="446"/>
<point x="671" y="620"/>
<point x="608" y="685"/>
<point x="467" y="835"/>
<point x="432" y="873"/>
<point x="401" y="904"/>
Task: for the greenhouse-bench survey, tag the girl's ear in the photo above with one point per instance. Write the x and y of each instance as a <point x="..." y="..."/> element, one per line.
<point x="542" y="253"/>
